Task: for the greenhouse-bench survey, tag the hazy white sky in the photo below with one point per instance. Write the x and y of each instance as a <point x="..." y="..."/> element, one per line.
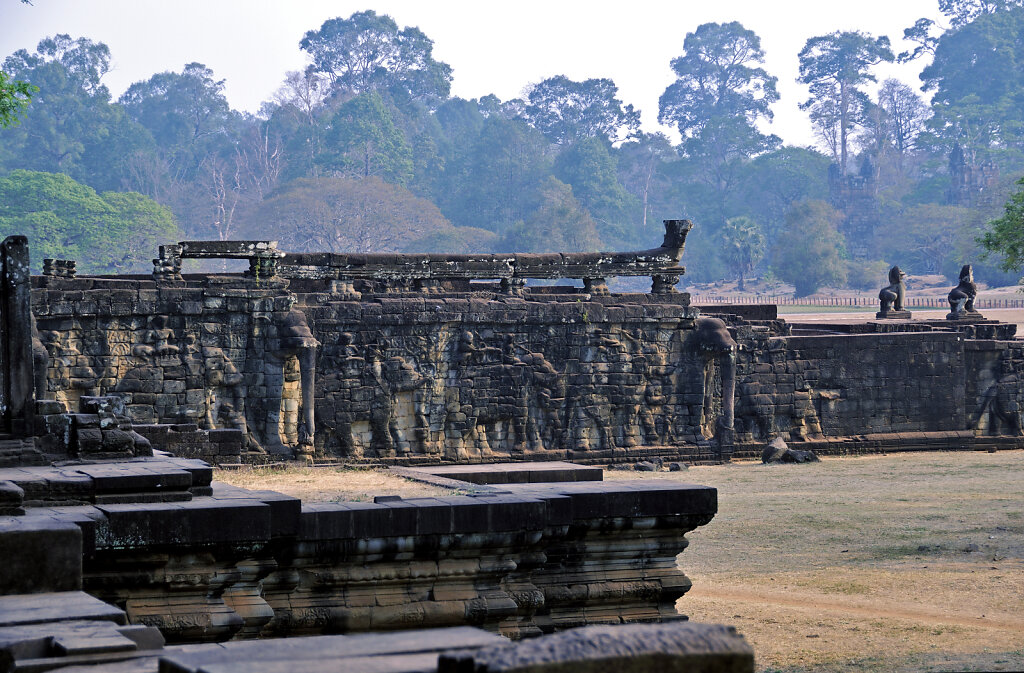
<point x="493" y="47"/>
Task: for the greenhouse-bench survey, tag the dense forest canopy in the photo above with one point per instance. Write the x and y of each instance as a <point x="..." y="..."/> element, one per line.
<point x="366" y="149"/>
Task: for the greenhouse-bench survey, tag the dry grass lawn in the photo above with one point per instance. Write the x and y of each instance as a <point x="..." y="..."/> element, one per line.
<point x="329" y="484"/>
<point x="910" y="562"/>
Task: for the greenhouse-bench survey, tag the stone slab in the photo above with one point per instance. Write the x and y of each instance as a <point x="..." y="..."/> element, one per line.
<point x="56" y="607"/>
<point x="678" y="647"/>
<point x="322" y="649"/>
<point x="515" y="473"/>
<point x="39" y="554"/>
<point x="393" y="663"/>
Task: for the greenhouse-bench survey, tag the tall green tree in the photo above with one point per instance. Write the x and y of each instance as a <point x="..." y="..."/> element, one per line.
<point x="590" y="168"/>
<point x="772" y="182"/>
<point x="498" y="182"/>
<point x="1005" y="235"/>
<point x="15" y="97"/>
<point x="560" y="223"/>
<point x="368" y="51"/>
<point x="743" y="246"/>
<point x="364" y="141"/>
<point x="977" y="76"/>
<point x="566" y="111"/>
<point x="338" y="214"/>
<point x="181" y="110"/>
<point x="809" y="251"/>
<point x="112" y="232"/>
<point x="73" y="128"/>
<point x="641" y="164"/>
<point x="720" y="94"/>
<point x="905" y="115"/>
<point x="962" y="12"/>
<point x="836" y="67"/>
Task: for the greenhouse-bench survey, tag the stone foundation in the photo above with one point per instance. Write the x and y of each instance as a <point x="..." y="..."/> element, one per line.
<point x="235" y="564"/>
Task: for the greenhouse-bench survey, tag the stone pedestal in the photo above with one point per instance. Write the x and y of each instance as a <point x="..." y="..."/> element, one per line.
<point x="893" y="315"/>
<point x="965" y="316"/>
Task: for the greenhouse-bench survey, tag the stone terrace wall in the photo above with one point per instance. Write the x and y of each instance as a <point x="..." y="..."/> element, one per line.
<point x="994" y="392"/>
<point x="803" y="387"/>
<point x="471" y="379"/>
<point x="460" y="376"/>
<point x="205" y="353"/>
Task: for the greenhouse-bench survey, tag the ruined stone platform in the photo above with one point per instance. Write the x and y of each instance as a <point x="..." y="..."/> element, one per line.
<point x="263" y="564"/>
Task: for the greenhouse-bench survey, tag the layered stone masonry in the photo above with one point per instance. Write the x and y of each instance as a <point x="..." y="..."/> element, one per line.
<point x="459" y="378"/>
<point x="526" y="559"/>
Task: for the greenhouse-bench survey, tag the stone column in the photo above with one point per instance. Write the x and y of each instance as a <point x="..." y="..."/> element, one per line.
<point x="16" y="363"/>
<point x="307" y="370"/>
<point x="726" y="422"/>
<point x="664" y="284"/>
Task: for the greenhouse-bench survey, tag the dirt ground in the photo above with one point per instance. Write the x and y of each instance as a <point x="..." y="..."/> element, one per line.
<point x="911" y="562"/>
<point x="329" y="484"/>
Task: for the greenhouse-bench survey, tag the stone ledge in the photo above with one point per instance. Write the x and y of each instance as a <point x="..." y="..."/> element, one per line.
<point x="514" y="473"/>
<point x="666" y="648"/>
<point x="56" y="606"/>
<point x="138" y="480"/>
<point x="38" y="554"/>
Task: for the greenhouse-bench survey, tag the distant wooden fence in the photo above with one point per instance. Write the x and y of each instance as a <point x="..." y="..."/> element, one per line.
<point x="782" y="300"/>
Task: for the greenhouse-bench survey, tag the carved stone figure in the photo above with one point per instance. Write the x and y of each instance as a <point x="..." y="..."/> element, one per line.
<point x="40" y="362"/>
<point x="961" y="298"/>
<point x="487" y="411"/>
<point x="392" y="377"/>
<point x="891" y="296"/>
<point x="1001" y="411"/>
<point x="293" y="338"/>
<point x="157" y="340"/>
<point x="712" y="338"/>
<point x="225" y="395"/>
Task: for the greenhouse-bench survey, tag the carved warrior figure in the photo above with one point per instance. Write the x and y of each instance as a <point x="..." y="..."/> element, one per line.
<point x="891" y="296"/>
<point x="961" y="298"/>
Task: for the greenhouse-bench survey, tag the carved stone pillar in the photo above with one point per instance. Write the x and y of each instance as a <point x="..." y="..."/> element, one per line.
<point x="513" y="286"/>
<point x="664" y="284"/>
<point x="167" y="266"/>
<point x="595" y="286"/>
<point x="17" y="377"/>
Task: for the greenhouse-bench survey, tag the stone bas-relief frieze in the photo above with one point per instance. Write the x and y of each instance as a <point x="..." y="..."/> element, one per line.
<point x="416" y="360"/>
<point x="364" y="363"/>
<point x="510" y="387"/>
<point x="215" y="355"/>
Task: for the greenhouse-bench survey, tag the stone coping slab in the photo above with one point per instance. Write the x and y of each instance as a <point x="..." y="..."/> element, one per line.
<point x="56" y="606"/>
<point x="679" y="646"/>
<point x="321" y="650"/>
<point x="233" y="516"/>
<point x="138" y="480"/>
<point x="515" y="473"/>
